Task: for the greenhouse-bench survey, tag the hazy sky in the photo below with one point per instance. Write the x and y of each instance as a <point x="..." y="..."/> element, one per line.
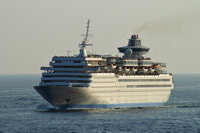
<point x="32" y="31"/>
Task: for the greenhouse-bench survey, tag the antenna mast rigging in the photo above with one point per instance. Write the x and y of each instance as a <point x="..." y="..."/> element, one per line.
<point x="88" y="26"/>
<point x="83" y="51"/>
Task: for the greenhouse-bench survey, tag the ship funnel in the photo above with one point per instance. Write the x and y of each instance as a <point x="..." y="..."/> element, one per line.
<point x="134" y="48"/>
<point x="134" y="41"/>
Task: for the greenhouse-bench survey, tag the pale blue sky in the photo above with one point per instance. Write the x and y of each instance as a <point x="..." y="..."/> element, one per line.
<point x="32" y="31"/>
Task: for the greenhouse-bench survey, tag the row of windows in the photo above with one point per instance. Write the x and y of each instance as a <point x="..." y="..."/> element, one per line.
<point x="137" y="80"/>
<point x="146" y="63"/>
<point x="146" y="86"/>
<point x="130" y="62"/>
<point x="61" y="71"/>
<point x="82" y="76"/>
<point x="68" y="67"/>
<point x="49" y="81"/>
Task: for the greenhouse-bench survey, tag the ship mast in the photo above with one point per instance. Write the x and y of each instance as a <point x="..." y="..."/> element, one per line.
<point x="83" y="51"/>
<point x="88" y="26"/>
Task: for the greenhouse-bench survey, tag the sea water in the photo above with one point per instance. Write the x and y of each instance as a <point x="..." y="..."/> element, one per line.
<point x="22" y="110"/>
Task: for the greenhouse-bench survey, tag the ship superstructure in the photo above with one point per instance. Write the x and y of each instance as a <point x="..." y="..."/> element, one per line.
<point x="102" y="81"/>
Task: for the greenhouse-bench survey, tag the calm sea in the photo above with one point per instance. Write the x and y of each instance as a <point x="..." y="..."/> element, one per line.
<point x="22" y="110"/>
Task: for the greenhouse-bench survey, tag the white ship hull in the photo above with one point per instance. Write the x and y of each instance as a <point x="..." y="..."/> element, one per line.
<point x="108" y="91"/>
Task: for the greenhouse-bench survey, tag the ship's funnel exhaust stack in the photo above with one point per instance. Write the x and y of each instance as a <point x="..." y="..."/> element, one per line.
<point x="134" y="48"/>
<point x="134" y="41"/>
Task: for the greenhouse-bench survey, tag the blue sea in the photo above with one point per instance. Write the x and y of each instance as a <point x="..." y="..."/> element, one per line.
<point x="22" y="110"/>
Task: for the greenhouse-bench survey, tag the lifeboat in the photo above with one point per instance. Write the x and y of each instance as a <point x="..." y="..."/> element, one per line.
<point x="151" y="70"/>
<point x="142" y="71"/>
<point x="125" y="70"/>
<point x="111" y="67"/>
<point x="133" y="70"/>
<point x="158" y="69"/>
<point x="145" y="70"/>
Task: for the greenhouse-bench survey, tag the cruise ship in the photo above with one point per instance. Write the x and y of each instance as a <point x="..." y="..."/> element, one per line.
<point x="87" y="81"/>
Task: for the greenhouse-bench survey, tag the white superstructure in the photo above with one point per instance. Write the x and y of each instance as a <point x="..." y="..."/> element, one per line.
<point x="97" y="81"/>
